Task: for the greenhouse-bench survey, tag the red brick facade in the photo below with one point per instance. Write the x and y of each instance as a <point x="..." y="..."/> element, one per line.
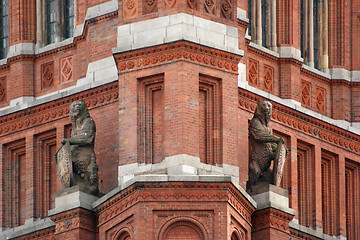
<point x="180" y="96"/>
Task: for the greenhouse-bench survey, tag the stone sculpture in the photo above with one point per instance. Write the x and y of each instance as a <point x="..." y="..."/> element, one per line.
<point x="265" y="148"/>
<point x="76" y="159"/>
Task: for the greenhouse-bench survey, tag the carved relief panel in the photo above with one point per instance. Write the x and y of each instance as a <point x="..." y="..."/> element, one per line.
<point x="320" y="99"/>
<point x="149" y="6"/>
<point x="2" y="88"/>
<point x="305" y="93"/>
<point x="66" y="69"/>
<point x="47" y="75"/>
<point x="253" y="74"/>
<point x="268" y="78"/>
<point x="129" y="8"/>
<point x="193" y="4"/>
<point x="226" y="9"/>
<point x="210" y="6"/>
<point x="169" y="4"/>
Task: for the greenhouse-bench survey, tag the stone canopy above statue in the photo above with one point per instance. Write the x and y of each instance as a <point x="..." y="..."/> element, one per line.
<point x="76" y="160"/>
<point x="265" y="148"/>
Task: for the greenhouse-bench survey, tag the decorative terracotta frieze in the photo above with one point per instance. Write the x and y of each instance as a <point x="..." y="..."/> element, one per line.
<point x="161" y="191"/>
<point x="304" y="123"/>
<point x="58" y="109"/>
<point x="183" y="50"/>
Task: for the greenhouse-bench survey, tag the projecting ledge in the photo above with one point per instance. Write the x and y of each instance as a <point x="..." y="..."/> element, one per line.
<point x="270" y="196"/>
<point x="72" y="198"/>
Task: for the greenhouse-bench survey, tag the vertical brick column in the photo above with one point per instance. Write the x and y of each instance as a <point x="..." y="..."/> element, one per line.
<point x="341" y="101"/>
<point x="290" y="79"/>
<point x="30" y="185"/>
<point x="317" y="187"/>
<point x="342" y="196"/>
<point x="22" y="79"/>
<point x="181" y="101"/>
<point x="293" y="168"/>
<point x="23" y="21"/>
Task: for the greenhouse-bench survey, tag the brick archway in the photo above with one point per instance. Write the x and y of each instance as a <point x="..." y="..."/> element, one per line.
<point x="181" y="227"/>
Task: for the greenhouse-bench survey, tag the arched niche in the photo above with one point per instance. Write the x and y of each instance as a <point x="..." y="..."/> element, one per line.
<point x="183" y="228"/>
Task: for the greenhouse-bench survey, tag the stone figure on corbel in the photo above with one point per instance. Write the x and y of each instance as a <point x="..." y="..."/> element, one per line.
<point x="265" y="148"/>
<point x="76" y="158"/>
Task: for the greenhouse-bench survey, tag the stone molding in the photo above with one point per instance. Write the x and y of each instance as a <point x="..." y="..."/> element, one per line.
<point x="308" y="125"/>
<point x="57" y="109"/>
<point x="182" y="50"/>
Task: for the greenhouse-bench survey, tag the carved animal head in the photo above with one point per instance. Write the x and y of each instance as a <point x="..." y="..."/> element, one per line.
<point x="263" y="111"/>
<point x="78" y="110"/>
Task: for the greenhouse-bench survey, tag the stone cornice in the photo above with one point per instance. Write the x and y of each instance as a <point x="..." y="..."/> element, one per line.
<point x="181" y="50"/>
<point x="306" y="124"/>
<point x="57" y="109"/>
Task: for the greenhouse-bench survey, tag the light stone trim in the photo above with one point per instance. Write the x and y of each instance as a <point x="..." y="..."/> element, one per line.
<point x="99" y="73"/>
<point x="316" y="71"/>
<point x="73" y="200"/>
<point x="273" y="200"/>
<point x="290" y="52"/>
<point x="292" y="104"/>
<point x="174" y="28"/>
<point x="241" y="15"/>
<point x="31" y="225"/>
<point x="264" y="49"/>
